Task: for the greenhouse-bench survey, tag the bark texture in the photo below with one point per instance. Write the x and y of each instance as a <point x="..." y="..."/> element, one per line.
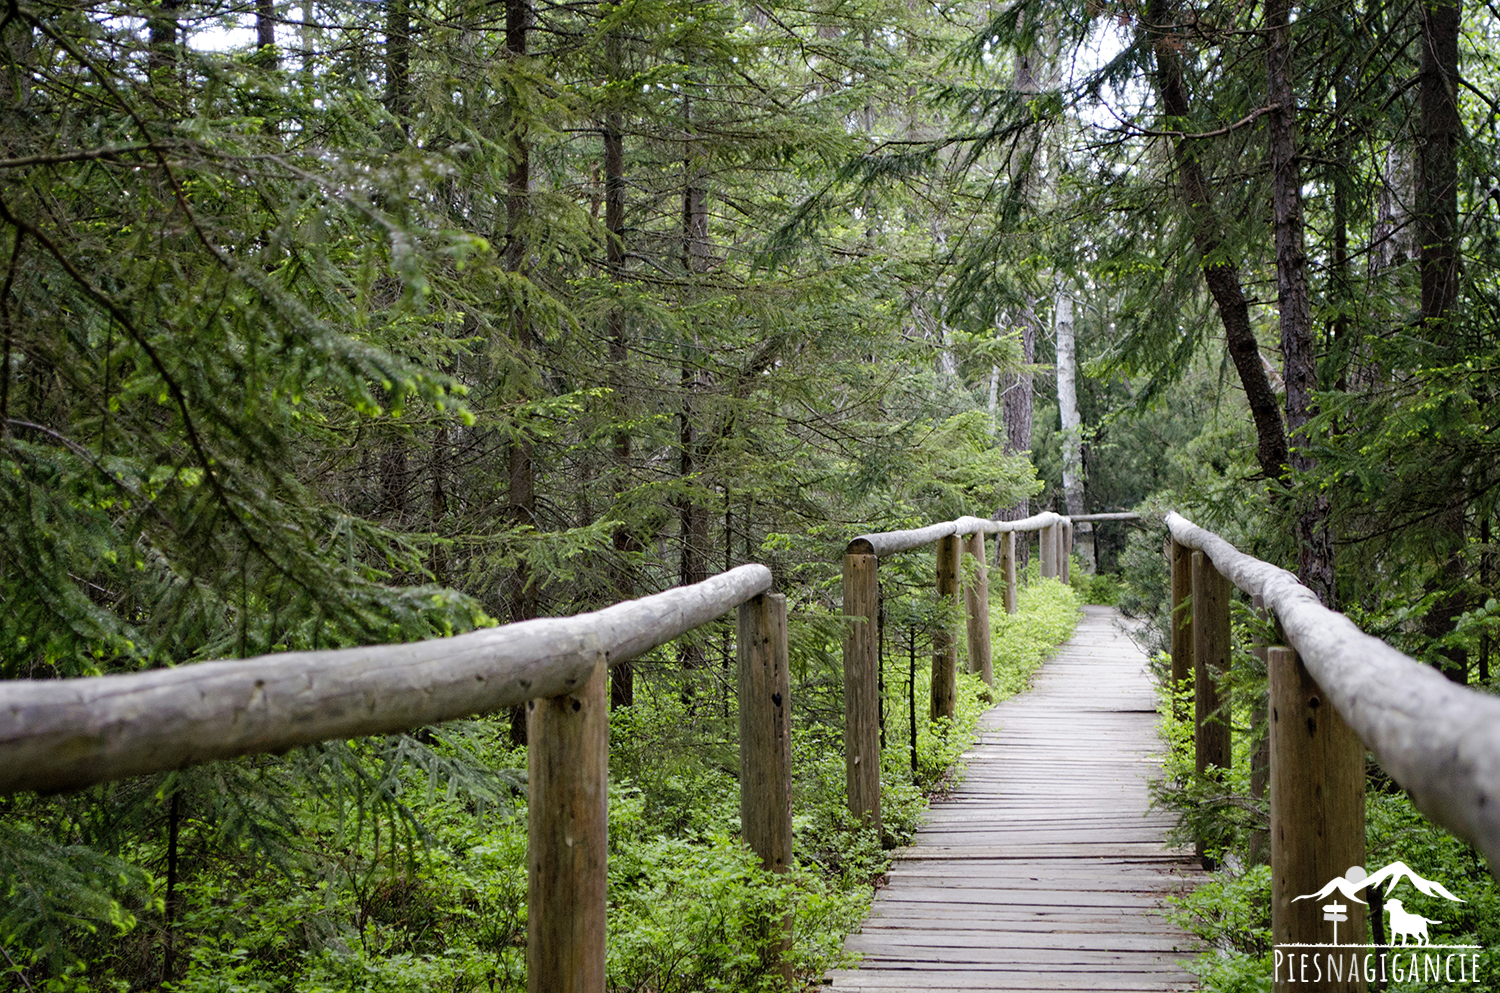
<point x="1221" y="275"/>
<point x="1294" y="304"/>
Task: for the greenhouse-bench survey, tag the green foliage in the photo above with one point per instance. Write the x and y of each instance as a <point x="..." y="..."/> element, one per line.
<point x="1231" y="911"/>
<point x="1098" y="588"/>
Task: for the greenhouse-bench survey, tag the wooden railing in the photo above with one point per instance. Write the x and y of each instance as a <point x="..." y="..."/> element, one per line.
<point x="1334" y="692"/>
<point x="63" y="734"/>
<point x="862" y="643"/>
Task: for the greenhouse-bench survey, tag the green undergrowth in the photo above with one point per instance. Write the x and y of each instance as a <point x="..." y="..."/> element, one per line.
<point x="398" y="865"/>
<point x="1231" y="911"/>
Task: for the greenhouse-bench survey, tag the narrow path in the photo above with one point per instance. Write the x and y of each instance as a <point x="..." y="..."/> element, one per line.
<point x="1044" y="870"/>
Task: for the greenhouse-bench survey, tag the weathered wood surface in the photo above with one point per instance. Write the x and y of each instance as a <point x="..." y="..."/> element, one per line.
<point x="862" y="686"/>
<point x="1317" y="809"/>
<point x="567" y="761"/>
<point x="765" y="705"/>
<point x="1181" y="558"/>
<point x="1439" y="740"/>
<point x="1211" y="647"/>
<point x="977" y="608"/>
<point x="890" y="542"/>
<point x="943" y="697"/>
<point x="1047" y="545"/>
<point x="1044" y="870"/>
<point x="1006" y="557"/>
<point x="65" y="733"/>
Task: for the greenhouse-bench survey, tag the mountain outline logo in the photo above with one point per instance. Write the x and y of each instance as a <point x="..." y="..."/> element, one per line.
<point x="1355" y="879"/>
<point x="1417" y="957"/>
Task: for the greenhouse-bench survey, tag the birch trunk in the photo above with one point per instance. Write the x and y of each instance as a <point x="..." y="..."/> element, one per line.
<point x="1072" y="429"/>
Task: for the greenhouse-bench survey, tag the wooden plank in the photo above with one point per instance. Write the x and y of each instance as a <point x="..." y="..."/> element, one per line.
<point x="1044" y="869"/>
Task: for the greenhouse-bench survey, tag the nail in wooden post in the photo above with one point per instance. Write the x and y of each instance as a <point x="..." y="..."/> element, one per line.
<point x="766" y="747"/>
<point x="1047" y="551"/>
<point x="1007" y="555"/>
<point x="1260" y="756"/>
<point x="977" y="609"/>
<point x="1317" y="813"/>
<point x="1210" y="662"/>
<point x="862" y="687"/>
<point x="944" y="645"/>
<point x="568" y="821"/>
<point x="1181" y="557"/>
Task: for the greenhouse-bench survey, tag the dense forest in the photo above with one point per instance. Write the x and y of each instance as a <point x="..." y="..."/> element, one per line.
<point x="347" y="322"/>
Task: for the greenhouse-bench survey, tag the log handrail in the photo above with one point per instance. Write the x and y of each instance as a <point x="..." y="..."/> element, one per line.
<point x="66" y="733"/>
<point x="1440" y="741"/>
<point x="862" y="644"/>
<point x="883" y="543"/>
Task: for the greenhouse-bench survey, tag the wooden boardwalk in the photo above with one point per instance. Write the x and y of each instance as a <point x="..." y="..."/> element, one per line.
<point x="1044" y="870"/>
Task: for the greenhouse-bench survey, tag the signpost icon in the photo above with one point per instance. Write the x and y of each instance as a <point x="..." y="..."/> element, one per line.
<point x="1335" y="912"/>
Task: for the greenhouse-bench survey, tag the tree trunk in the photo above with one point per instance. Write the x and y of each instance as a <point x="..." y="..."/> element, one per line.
<point x="161" y="29"/>
<point x="1437" y="166"/>
<point x="265" y="37"/>
<point x="1437" y="248"/>
<point x="1016" y="393"/>
<point x="1015" y="405"/>
<point x="1221" y="276"/>
<point x="1072" y="429"/>
<point x="1298" y="350"/>
<point x="692" y="515"/>
<point x="522" y="469"/>
<point x="622" y="678"/>
<point x="398" y="60"/>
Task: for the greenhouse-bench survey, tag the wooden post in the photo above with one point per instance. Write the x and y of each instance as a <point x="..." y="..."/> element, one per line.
<point x="1047" y="551"/>
<point x="1317" y="815"/>
<point x="1260" y="755"/>
<point x="1181" y="558"/>
<point x="1210" y="662"/>
<point x="862" y="687"/>
<point x="1007" y="556"/>
<point x="944" y="702"/>
<point x="765" y="731"/>
<point x="1064" y="549"/>
<point x="765" y="694"/>
<point x="977" y="609"/>
<point x="568" y="821"/>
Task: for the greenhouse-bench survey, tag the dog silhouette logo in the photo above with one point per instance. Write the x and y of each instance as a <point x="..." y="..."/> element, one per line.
<point x="1407" y="924"/>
